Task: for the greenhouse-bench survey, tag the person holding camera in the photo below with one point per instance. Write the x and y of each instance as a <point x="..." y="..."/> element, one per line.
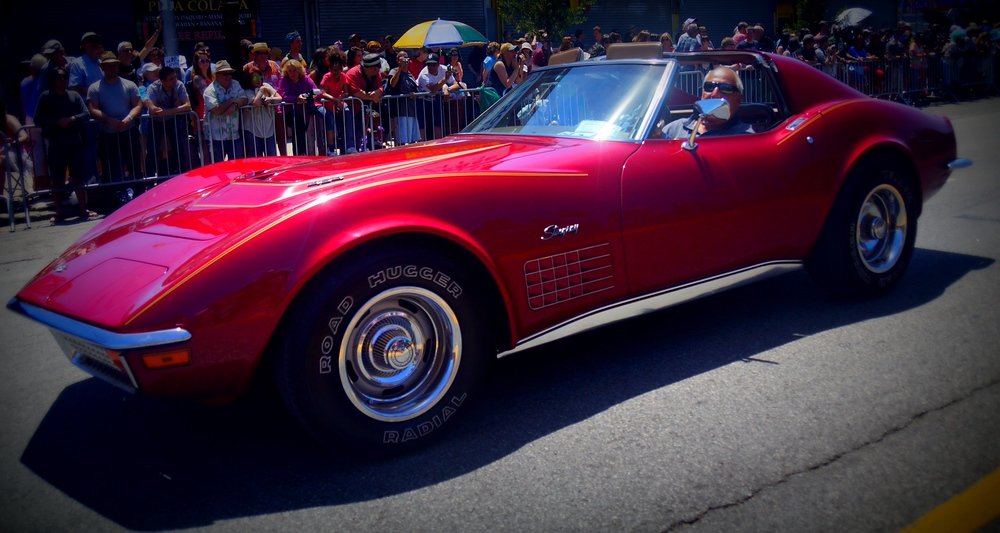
<point x="460" y="111"/>
<point x="439" y="83"/>
<point x="508" y="70"/>
<point x="400" y="88"/>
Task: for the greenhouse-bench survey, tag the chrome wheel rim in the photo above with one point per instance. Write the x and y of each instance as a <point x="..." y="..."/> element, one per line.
<point x="881" y="229"/>
<point x="400" y="354"/>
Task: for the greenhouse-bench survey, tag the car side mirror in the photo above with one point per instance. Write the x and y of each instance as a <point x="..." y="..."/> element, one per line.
<point x="717" y="108"/>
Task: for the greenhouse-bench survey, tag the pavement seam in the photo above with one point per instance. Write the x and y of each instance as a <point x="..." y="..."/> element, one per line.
<point x="835" y="458"/>
<point x="29" y="259"/>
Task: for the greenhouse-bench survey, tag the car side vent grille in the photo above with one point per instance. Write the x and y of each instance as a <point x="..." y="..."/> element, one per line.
<point x="567" y="276"/>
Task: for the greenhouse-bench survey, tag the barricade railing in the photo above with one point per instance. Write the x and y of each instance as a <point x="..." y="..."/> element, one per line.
<point x="12" y="159"/>
<point x="912" y="79"/>
<point x="421" y="116"/>
<point x="100" y="156"/>
<point x="908" y="79"/>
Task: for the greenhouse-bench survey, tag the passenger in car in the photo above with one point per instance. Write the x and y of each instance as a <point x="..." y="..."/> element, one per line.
<point x="721" y="82"/>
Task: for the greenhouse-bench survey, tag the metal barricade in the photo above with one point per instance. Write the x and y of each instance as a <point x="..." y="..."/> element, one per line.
<point x="169" y="144"/>
<point x="13" y="161"/>
<point x="969" y="73"/>
<point x="159" y="147"/>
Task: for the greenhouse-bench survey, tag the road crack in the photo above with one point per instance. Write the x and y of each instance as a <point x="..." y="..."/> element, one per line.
<point x="26" y="260"/>
<point x="831" y="460"/>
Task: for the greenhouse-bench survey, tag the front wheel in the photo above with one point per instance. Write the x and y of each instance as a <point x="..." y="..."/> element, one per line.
<point x="869" y="235"/>
<point x="383" y="353"/>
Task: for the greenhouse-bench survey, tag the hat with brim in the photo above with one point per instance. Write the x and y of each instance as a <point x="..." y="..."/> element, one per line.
<point x="38" y="62"/>
<point x="90" y="37"/>
<point x="507" y="47"/>
<point x="150" y="67"/>
<point x="432" y="59"/>
<point x="52" y="46"/>
<point x="222" y="67"/>
<point x="260" y="47"/>
<point x="109" y="58"/>
<point x="526" y="46"/>
<point x="371" y="60"/>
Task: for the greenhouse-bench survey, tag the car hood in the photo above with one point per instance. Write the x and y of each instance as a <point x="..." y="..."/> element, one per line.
<point x="176" y="227"/>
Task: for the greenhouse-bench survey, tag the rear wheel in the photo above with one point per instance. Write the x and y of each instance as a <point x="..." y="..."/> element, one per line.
<point x="869" y="235"/>
<point x="382" y="353"/>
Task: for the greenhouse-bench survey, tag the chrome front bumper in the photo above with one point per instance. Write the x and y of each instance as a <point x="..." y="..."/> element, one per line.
<point x="98" y="351"/>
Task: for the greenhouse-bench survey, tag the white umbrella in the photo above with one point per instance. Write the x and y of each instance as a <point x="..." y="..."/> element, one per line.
<point x="852" y="16"/>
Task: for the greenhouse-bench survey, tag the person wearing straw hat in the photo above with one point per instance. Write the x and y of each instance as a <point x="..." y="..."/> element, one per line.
<point x="115" y="104"/>
<point x="223" y="99"/>
<point x="270" y="72"/>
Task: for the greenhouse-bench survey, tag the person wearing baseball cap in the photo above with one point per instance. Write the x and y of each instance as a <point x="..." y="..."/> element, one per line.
<point x="294" y="48"/>
<point x="689" y="41"/>
<point x="439" y="83"/>
<point x="85" y="70"/>
<point x="375" y="47"/>
<point x="364" y="81"/>
<point x="51" y="46"/>
<point x="53" y="51"/>
<point x="507" y="71"/>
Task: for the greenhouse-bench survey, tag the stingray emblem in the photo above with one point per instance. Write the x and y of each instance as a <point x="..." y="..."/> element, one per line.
<point x="556" y="231"/>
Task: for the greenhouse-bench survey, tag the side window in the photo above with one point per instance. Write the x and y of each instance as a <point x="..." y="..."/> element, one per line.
<point x="760" y="106"/>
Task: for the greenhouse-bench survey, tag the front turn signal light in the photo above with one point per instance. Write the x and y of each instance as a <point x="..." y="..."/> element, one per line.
<point x="159" y="360"/>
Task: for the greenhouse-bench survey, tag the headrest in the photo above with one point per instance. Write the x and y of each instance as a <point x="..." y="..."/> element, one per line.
<point x="646" y="50"/>
<point x="566" y="56"/>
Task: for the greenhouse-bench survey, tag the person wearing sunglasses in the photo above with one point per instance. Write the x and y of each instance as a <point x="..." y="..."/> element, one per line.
<point x="721" y="82"/>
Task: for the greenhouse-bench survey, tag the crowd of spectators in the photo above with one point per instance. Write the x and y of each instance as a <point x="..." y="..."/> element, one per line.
<point x="333" y="100"/>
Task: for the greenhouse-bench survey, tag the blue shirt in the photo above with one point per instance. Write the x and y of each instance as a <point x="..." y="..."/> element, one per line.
<point x="84" y="72"/>
<point x="682" y="127"/>
<point x="686" y="43"/>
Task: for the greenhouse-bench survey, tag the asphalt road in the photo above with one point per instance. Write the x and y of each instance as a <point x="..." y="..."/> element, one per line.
<point x="767" y="408"/>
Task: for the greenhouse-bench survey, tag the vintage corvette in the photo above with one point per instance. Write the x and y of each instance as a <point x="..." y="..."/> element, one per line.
<point x="375" y="289"/>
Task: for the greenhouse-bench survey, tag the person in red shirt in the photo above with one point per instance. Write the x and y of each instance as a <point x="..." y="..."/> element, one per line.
<point x="417" y="64"/>
<point x="365" y="83"/>
<point x="339" y="115"/>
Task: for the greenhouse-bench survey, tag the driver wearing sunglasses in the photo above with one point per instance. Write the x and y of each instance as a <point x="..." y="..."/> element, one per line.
<point x="721" y="82"/>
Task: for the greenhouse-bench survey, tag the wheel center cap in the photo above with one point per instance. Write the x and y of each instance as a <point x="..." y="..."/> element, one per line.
<point x="878" y="228"/>
<point x="400" y="353"/>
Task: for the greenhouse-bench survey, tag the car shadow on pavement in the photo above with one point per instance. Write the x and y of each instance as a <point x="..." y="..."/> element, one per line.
<point x="151" y="465"/>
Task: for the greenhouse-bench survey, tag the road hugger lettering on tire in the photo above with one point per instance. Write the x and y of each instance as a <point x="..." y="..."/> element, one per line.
<point x="414" y="272"/>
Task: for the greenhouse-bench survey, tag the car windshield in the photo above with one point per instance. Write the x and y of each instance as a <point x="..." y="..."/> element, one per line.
<point x="598" y="101"/>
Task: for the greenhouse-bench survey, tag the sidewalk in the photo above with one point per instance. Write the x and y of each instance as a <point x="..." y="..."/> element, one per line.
<point x="40" y="209"/>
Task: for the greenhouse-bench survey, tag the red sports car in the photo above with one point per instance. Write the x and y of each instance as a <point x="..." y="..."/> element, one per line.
<point x="377" y="288"/>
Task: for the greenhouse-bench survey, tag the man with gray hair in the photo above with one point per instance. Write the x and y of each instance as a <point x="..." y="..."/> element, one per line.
<point x="126" y="57"/>
<point x="721" y="82"/>
<point x="690" y="41"/>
